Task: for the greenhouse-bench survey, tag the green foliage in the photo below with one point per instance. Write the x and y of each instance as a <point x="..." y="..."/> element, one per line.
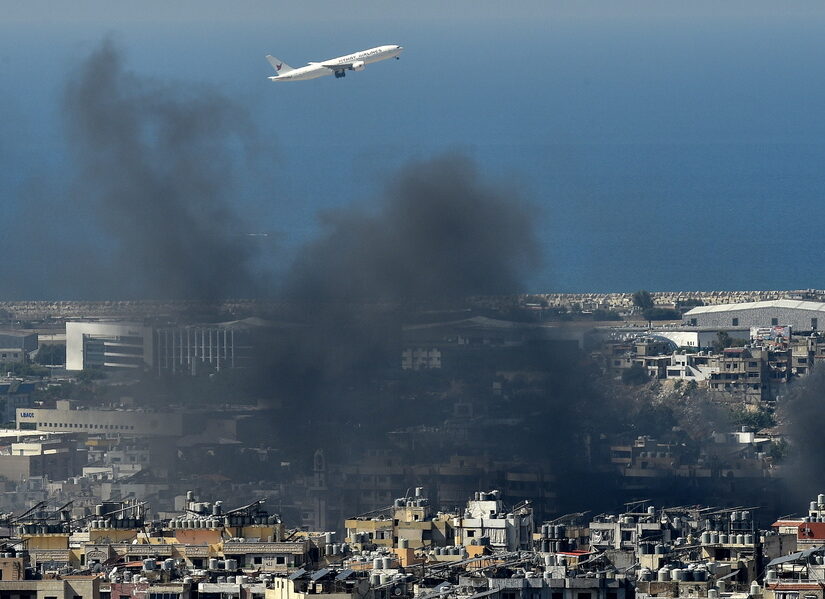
<point x="600" y="314"/>
<point x="757" y="420"/>
<point x="778" y="450"/>
<point x="635" y="375"/>
<point x="51" y="355"/>
<point x="90" y="374"/>
<point x="723" y="341"/>
<point x="23" y="369"/>
<point x="661" y="314"/>
<point x="642" y="299"/>
<point x="689" y="303"/>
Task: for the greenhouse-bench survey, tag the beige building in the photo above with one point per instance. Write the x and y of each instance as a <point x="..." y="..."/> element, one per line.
<point x="62" y="418"/>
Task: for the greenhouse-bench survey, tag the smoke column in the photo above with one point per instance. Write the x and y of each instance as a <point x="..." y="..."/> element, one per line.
<point x="804" y="413"/>
<point x="157" y="169"/>
<point x="441" y="232"/>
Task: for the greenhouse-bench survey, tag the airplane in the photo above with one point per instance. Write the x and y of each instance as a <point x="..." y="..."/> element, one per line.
<point x="339" y="66"/>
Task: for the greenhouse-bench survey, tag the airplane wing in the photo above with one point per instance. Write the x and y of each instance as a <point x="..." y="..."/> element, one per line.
<point x="336" y="66"/>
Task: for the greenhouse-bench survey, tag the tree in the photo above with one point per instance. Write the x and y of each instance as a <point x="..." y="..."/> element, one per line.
<point x="635" y="375"/>
<point x="661" y="314"/>
<point x="723" y="340"/>
<point x="51" y="355"/>
<point x="642" y="299"/>
<point x="689" y="303"/>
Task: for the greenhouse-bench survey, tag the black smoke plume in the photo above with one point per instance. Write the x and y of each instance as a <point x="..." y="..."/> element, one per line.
<point x="441" y="232"/>
<point x="157" y="168"/>
<point x="803" y="414"/>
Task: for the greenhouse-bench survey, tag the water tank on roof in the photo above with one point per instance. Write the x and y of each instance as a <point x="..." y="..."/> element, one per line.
<point x="723" y="538"/>
<point x="403" y="543"/>
<point x="231" y="565"/>
<point x="230" y="579"/>
<point x="644" y="574"/>
<point x="376" y="563"/>
<point x="148" y="564"/>
<point x="386" y="563"/>
<point x="755" y="589"/>
<point x="663" y="575"/>
<point x="213" y="563"/>
<point x="748" y="539"/>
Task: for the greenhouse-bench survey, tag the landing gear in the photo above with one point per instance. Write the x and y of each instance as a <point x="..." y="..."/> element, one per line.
<point x="339" y="74"/>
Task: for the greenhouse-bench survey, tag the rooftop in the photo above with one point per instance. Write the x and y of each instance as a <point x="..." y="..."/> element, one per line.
<point x="783" y="303"/>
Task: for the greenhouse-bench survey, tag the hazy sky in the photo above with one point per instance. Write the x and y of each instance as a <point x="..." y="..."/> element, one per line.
<point x="666" y="145"/>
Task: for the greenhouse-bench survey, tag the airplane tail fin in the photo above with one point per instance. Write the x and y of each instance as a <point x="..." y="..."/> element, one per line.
<point x="279" y="65"/>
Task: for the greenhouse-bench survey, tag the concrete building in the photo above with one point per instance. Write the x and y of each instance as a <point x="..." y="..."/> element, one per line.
<point x="16" y="345"/>
<point x="62" y="418"/>
<point x="53" y="458"/>
<point x="120" y="345"/>
<point x="14" y="394"/>
<point x="206" y="348"/>
<point x="486" y="518"/>
<point x="799" y="315"/>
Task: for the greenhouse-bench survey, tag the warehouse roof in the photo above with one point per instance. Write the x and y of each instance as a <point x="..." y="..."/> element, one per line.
<point x="783" y="303"/>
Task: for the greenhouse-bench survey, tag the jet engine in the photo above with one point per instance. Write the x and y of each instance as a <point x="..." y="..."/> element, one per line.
<point x="358" y="65"/>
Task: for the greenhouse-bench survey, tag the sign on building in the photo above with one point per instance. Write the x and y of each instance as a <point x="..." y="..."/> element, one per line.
<point x="775" y="335"/>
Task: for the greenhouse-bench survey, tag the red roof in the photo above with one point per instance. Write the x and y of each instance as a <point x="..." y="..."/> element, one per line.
<point x="786" y="523"/>
<point x="811" y="530"/>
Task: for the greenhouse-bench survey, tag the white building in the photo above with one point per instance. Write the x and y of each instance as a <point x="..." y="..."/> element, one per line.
<point x="485" y="517"/>
<point x="108" y="344"/>
<point x="799" y="315"/>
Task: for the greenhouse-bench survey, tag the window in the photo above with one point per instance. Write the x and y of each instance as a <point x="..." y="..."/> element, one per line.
<point x="774" y="322"/>
<point x="471" y="533"/>
<point x="280" y="559"/>
<point x="813" y="324"/>
<point x="693" y="322"/>
<point x="257" y="560"/>
<point x="582" y="595"/>
<point x="735" y="322"/>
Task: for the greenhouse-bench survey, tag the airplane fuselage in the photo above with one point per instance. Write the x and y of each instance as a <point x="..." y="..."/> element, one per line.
<point x="338" y="66"/>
